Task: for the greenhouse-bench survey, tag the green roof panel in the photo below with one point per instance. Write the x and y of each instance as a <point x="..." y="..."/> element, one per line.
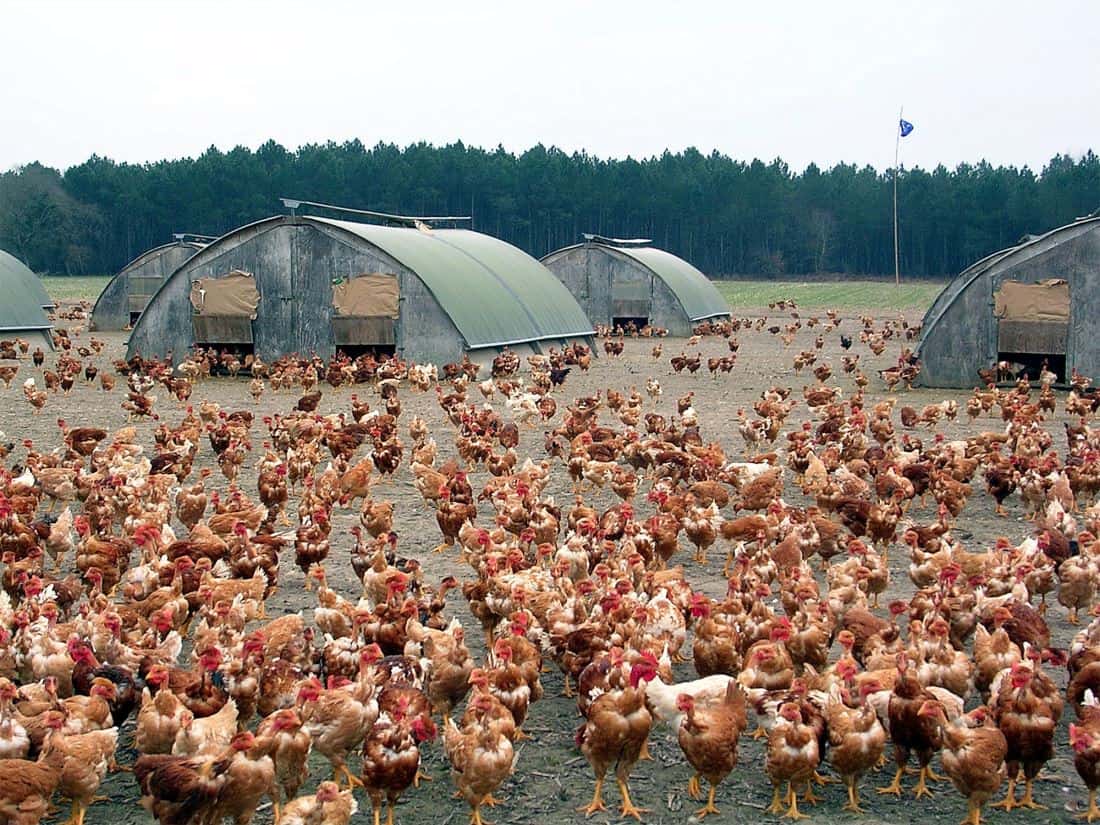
<point x="495" y="293"/>
<point x="697" y="295"/>
<point x="24" y="296"/>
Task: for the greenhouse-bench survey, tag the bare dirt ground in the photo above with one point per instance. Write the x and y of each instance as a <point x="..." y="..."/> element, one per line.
<point x="552" y="778"/>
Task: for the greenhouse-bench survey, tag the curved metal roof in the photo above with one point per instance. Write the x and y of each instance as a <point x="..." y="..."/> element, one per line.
<point x="33" y="283"/>
<point x="495" y="293"/>
<point x="144" y="257"/>
<point x="24" y="297"/>
<point x="149" y="254"/>
<point x="696" y="293"/>
<point x="1030" y="245"/>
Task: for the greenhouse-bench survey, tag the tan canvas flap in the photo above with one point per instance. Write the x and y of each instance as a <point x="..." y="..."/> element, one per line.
<point x="366" y="296"/>
<point x="234" y="294"/>
<point x="1044" y="301"/>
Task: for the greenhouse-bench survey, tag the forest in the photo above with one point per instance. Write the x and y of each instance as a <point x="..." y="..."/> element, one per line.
<point x="727" y="216"/>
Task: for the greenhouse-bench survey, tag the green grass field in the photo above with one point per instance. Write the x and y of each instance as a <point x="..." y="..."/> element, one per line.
<point x="831" y="295"/>
<point x="84" y="287"/>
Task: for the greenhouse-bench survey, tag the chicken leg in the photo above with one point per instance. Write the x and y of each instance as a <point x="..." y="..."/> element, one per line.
<point x="922" y="786"/>
<point x="895" y="786"/>
<point x="792" y="812"/>
<point x="694" y="791"/>
<point x="973" y="813"/>
<point x="710" y="807"/>
<point x="777" y="802"/>
<point x="77" y="816"/>
<point x="597" y="800"/>
<point x="1093" y="812"/>
<point x="1027" y="801"/>
<point x="567" y="691"/>
<point x="1009" y="802"/>
<point x="853" y="797"/>
<point x="628" y="808"/>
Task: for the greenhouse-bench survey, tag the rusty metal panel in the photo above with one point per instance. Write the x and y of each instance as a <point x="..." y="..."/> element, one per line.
<point x="363" y="331"/>
<point x="221" y="329"/>
<point x="1045" y="337"/>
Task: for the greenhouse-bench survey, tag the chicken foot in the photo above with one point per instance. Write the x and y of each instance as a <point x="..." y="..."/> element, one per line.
<point x="1027" y="801"/>
<point x="776" y="806"/>
<point x="597" y="800"/>
<point x="1009" y="801"/>
<point x="922" y="787"/>
<point x="895" y="786"/>
<point x="567" y="691"/>
<point x="792" y="812"/>
<point x="710" y="807"/>
<point x="853" y="797"/>
<point x="1093" y="812"/>
<point x="342" y="770"/>
<point x="628" y="808"/>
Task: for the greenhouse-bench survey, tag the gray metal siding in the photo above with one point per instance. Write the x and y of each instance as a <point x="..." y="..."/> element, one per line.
<point x="294" y="265"/>
<point x="112" y="308"/>
<point x="964" y="337"/>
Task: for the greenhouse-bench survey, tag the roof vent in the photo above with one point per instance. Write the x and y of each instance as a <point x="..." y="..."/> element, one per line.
<point x="590" y="238"/>
<point x="423" y="223"/>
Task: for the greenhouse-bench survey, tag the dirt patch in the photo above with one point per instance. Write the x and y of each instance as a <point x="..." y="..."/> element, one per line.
<point x="552" y="779"/>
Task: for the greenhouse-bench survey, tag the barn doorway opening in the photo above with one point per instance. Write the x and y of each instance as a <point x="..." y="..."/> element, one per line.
<point x="1033" y="326"/>
<point x="1030" y="364"/>
<point x="222" y="312"/>
<point x="353" y="351"/>
<point x="629" y="323"/>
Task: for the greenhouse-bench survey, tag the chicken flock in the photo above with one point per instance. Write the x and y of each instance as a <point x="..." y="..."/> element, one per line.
<point x="140" y="561"/>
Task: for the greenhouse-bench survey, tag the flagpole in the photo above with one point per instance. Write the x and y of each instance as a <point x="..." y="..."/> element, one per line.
<point x="897" y="148"/>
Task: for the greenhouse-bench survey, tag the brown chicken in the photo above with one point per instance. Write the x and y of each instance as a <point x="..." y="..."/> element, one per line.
<point x="391" y="756"/>
<point x="973" y="755"/>
<point x="1027" y="709"/>
<point x="329" y="806"/>
<point x="708" y="737"/>
<point x="1085" y="741"/>
<point x="617" y="728"/>
<point x="857" y="741"/>
<point x="26" y="787"/>
<point x="178" y="790"/>
<point x="910" y="731"/>
<point x="249" y="778"/>
<point x="481" y="757"/>
<point x="283" y="739"/>
<point x="792" y="758"/>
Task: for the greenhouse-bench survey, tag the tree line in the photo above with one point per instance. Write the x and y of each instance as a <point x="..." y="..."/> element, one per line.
<point x="724" y="215"/>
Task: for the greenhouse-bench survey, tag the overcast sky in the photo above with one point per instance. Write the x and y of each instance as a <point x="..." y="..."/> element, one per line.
<point x="139" y="80"/>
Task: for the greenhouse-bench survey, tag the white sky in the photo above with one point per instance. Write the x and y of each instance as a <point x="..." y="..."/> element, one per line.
<point x="138" y="80"/>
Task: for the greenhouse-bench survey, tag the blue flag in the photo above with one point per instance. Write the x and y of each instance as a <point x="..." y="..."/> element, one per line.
<point x="906" y="127"/>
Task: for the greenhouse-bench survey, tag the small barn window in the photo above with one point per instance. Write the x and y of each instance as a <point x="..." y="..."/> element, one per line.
<point x="223" y="310"/>
<point x="1033" y="326"/>
<point x="365" y="309"/>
